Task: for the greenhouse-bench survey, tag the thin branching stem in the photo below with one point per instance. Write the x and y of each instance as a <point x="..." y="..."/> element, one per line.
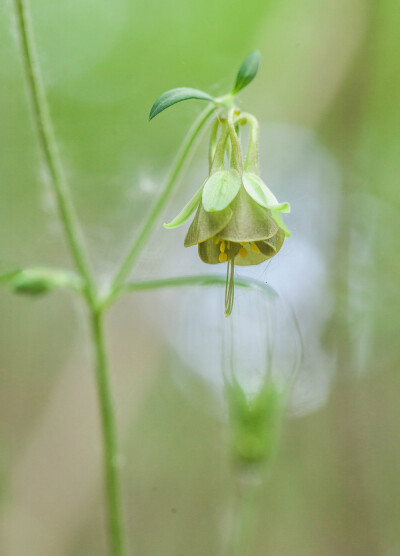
<point x="182" y="281"/>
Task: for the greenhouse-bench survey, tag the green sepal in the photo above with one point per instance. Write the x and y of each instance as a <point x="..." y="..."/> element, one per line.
<point x="257" y="189"/>
<point x="206" y="225"/>
<point x="39" y="281"/>
<point x="220" y="189"/>
<point x="173" y="96"/>
<point x="187" y="211"/>
<point x="247" y="71"/>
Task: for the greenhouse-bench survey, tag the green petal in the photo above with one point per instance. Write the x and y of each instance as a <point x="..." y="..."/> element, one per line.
<point x="220" y="189"/>
<point x="257" y="189"/>
<point x="272" y="245"/>
<point x="209" y="252"/>
<point x="250" y="221"/>
<point x="268" y="249"/>
<point x="252" y="258"/>
<point x="278" y="219"/>
<point x="206" y="225"/>
<point x="187" y="210"/>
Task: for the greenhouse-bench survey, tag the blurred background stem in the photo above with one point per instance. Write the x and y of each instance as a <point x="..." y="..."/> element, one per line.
<point x="244" y="514"/>
<point x="47" y="140"/>
<point x="75" y="242"/>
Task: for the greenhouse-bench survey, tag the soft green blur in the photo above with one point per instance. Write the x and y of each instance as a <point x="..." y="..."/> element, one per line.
<point x="329" y="78"/>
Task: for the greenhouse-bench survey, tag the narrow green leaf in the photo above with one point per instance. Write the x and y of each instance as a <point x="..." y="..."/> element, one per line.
<point x="262" y="195"/>
<point x="220" y="189"/>
<point x="187" y="210"/>
<point x="247" y="71"/>
<point x="173" y="96"/>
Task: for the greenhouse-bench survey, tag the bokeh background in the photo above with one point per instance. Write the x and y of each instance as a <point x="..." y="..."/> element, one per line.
<point x="327" y="97"/>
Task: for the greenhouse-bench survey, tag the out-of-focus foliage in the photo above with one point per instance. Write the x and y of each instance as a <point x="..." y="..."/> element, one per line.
<point x="327" y="97"/>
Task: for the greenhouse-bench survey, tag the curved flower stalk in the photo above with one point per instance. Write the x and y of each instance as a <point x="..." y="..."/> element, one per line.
<point x="238" y="219"/>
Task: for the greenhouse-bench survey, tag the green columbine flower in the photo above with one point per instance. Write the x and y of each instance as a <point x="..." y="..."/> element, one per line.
<point x="237" y="217"/>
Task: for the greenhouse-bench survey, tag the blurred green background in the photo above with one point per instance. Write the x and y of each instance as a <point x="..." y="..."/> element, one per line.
<point x="327" y="97"/>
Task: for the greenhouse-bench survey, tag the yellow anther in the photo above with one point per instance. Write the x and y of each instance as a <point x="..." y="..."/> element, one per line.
<point x="229" y="244"/>
<point x="237" y="112"/>
<point x="243" y="243"/>
<point x="216" y="240"/>
<point x="243" y="252"/>
<point x="222" y="246"/>
<point x="254" y="248"/>
<point x="243" y="122"/>
<point x="223" y="257"/>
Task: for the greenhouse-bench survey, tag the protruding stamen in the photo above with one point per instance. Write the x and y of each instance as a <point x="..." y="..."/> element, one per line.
<point x="254" y="248"/>
<point x="230" y="286"/>
<point x="223" y="257"/>
<point x="216" y="240"/>
<point x="222" y="246"/>
<point x="243" y="252"/>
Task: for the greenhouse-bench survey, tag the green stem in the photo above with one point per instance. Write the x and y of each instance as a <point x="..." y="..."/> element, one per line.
<point x="110" y="445"/>
<point x="243" y="524"/>
<point x="201" y="280"/>
<point x="251" y="162"/>
<point x="46" y="136"/>
<point x="237" y="162"/>
<point x="213" y="143"/>
<point x="75" y="241"/>
<point x="180" y="160"/>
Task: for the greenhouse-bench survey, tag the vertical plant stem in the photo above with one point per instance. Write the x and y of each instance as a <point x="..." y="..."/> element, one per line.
<point x="179" y="162"/>
<point x="46" y="137"/>
<point x="243" y="520"/>
<point x="75" y="241"/>
<point x="110" y="445"/>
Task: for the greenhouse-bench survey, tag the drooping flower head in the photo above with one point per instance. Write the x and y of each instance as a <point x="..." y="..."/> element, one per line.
<point x="237" y="218"/>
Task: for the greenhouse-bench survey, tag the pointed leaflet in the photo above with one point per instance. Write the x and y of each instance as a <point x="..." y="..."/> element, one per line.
<point x="173" y="96"/>
<point x="247" y="71"/>
<point x="187" y="210"/>
<point x="220" y="189"/>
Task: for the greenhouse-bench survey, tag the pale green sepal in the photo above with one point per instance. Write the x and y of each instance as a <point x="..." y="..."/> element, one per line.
<point x="262" y="195"/>
<point x="220" y="189"/>
<point x="187" y="211"/>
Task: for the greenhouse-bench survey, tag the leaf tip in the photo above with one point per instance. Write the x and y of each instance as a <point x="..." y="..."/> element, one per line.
<point x="247" y="71"/>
